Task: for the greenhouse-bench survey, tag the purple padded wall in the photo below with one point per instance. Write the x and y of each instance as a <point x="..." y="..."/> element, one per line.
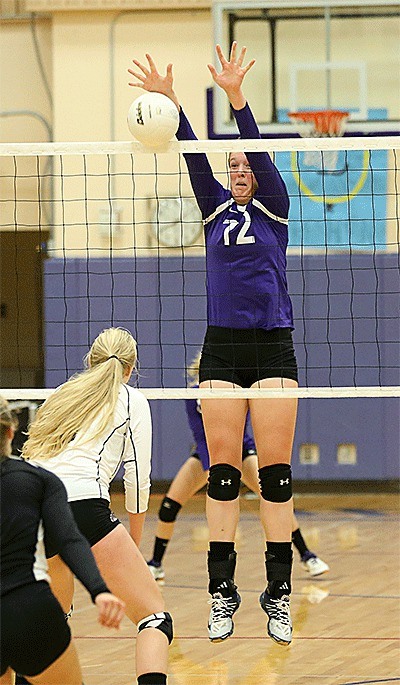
<point x="162" y="302"/>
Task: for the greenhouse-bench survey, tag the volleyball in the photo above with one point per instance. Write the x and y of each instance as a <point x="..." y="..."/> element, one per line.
<point x="153" y="119"/>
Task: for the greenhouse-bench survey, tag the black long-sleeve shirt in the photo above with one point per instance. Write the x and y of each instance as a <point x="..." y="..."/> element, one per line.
<point x="34" y="509"/>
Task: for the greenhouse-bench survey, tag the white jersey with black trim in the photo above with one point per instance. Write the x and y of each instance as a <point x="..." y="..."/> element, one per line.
<point x="87" y="466"/>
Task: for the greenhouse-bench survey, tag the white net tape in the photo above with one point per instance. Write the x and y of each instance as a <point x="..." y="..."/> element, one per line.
<point x="228" y="393"/>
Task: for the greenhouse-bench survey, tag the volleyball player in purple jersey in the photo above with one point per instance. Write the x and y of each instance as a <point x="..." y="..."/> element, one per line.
<point x="248" y="344"/>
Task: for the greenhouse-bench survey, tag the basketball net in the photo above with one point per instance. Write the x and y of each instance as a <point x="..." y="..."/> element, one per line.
<point x="328" y="123"/>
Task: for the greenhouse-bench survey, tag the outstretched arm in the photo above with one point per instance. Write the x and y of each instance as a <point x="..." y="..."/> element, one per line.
<point x="271" y="188"/>
<point x="231" y="77"/>
<point x="149" y="79"/>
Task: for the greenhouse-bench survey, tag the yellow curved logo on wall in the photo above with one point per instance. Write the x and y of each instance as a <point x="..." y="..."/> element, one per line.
<point x="352" y="192"/>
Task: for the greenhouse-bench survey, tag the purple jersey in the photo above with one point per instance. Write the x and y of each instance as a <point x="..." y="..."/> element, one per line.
<point x="193" y="410"/>
<point x="245" y="244"/>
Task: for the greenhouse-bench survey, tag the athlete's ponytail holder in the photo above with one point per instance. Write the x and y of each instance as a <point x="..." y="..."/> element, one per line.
<point x="114" y="356"/>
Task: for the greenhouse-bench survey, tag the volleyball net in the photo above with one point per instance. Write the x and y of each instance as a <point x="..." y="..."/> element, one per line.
<point x="120" y="242"/>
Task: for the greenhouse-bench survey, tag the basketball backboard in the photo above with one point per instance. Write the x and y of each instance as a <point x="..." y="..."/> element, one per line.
<point x="313" y="54"/>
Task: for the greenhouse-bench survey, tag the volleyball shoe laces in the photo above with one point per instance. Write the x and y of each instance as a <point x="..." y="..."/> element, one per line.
<point x="220" y="624"/>
<point x="279" y="625"/>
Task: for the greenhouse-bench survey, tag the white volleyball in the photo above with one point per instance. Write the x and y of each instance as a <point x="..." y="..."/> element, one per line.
<point x="153" y="119"/>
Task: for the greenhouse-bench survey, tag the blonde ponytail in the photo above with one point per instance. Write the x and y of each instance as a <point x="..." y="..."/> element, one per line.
<point x="86" y="402"/>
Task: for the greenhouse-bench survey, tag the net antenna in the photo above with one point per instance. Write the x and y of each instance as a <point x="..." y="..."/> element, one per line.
<point x="326" y="123"/>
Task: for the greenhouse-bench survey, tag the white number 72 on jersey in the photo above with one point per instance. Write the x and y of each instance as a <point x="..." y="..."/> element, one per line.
<point x="242" y="238"/>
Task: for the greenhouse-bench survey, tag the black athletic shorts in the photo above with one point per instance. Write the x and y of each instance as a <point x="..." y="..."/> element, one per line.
<point x="244" y="356"/>
<point x="34" y="632"/>
<point x="94" y="519"/>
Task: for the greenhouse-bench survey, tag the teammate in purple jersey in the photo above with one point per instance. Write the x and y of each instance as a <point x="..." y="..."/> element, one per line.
<point x="248" y="344"/>
<point x="193" y="476"/>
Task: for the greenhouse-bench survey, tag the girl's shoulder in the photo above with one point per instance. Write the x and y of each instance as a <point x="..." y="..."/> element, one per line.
<point x="16" y="464"/>
<point x="129" y="396"/>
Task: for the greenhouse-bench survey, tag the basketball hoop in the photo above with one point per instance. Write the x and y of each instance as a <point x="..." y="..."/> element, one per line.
<point x="328" y="123"/>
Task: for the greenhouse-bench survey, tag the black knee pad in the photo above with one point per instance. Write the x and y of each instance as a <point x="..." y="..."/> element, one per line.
<point x="223" y="482"/>
<point x="161" y="621"/>
<point x="169" y="510"/>
<point x="276" y="482"/>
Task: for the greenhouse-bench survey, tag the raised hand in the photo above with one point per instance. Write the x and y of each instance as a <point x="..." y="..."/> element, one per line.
<point x="232" y="74"/>
<point x="149" y="79"/>
<point x="111" y="610"/>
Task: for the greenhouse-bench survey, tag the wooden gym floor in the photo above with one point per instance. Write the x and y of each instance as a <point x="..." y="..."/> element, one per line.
<point x="346" y="623"/>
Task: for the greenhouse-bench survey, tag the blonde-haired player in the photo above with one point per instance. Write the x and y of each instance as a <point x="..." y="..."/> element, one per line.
<point x="87" y="428"/>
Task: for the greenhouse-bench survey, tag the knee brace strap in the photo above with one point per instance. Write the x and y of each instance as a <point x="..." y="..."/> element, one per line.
<point x="223" y="482"/>
<point x="222" y="569"/>
<point x="160" y="621"/>
<point x="276" y="482"/>
<point x="169" y="510"/>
